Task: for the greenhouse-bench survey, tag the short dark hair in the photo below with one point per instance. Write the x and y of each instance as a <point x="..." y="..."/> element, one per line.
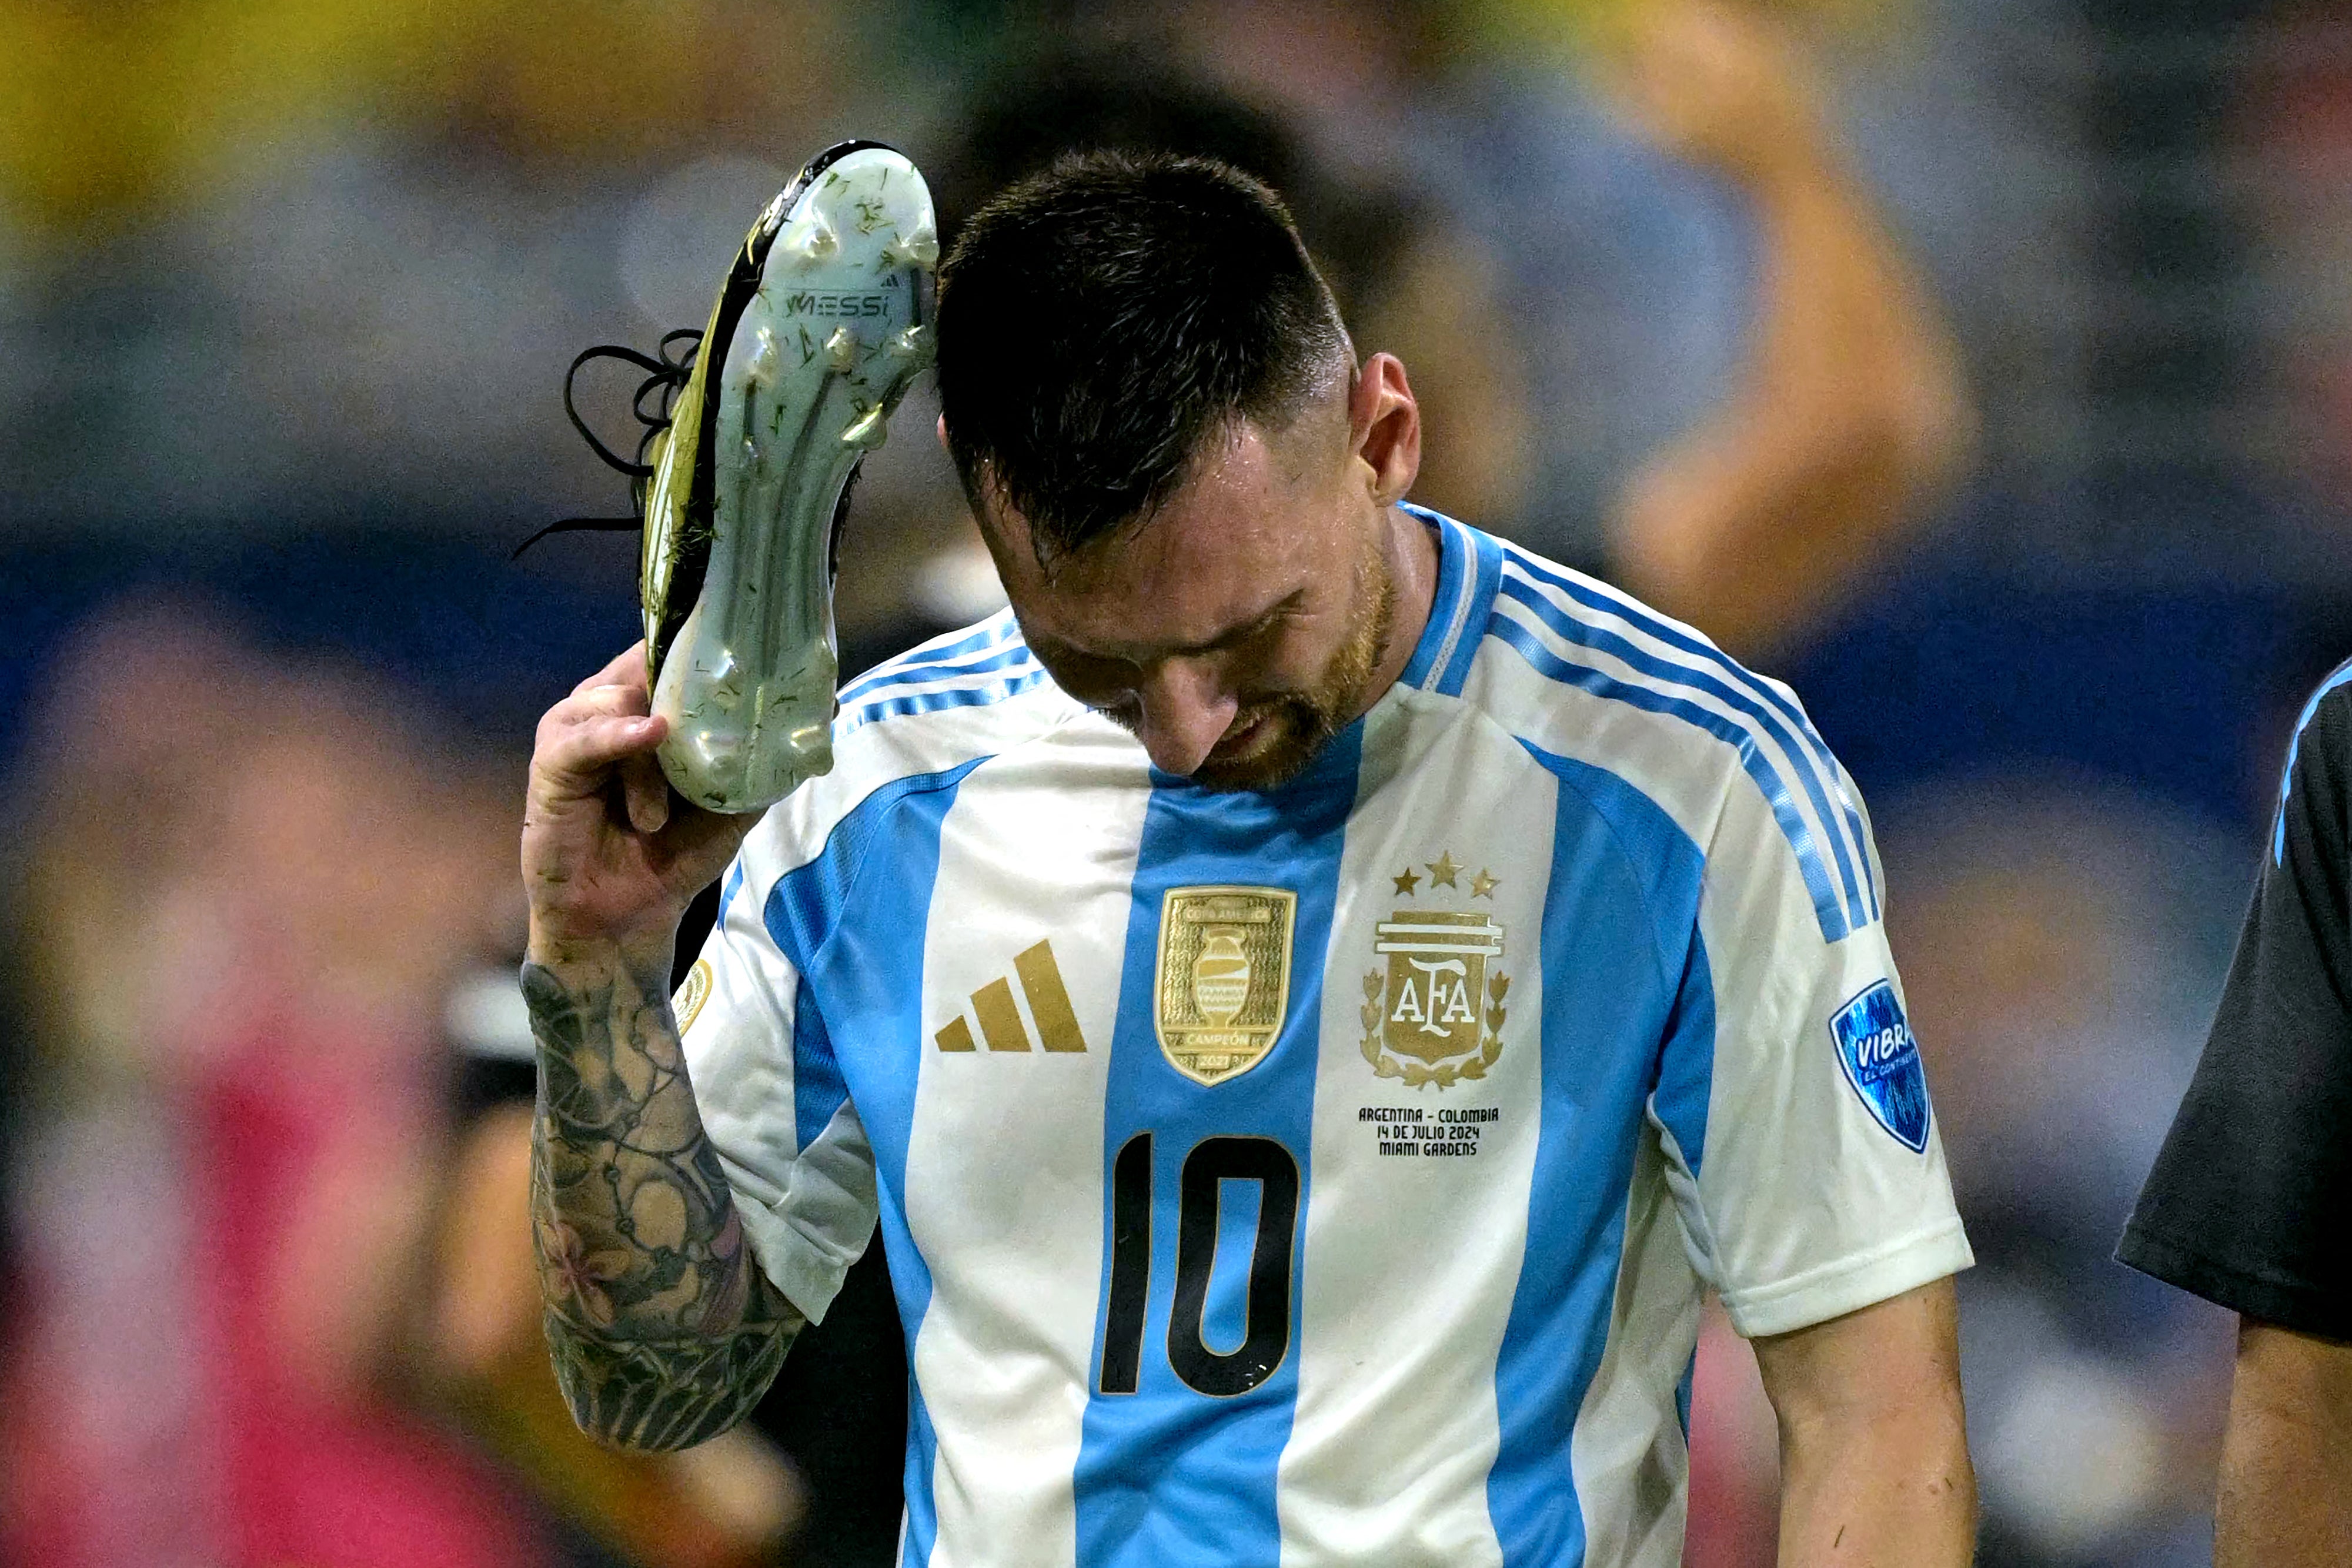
<point x="1100" y="321"/>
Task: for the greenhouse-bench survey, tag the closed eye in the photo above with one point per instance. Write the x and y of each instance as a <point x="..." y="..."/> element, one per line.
<point x="1095" y="680"/>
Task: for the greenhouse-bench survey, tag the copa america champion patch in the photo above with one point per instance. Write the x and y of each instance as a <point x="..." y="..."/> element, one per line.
<point x="1880" y="1060"/>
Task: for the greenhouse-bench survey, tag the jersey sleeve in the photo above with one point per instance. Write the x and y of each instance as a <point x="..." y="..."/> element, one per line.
<point x="2247" y="1203"/>
<point x="773" y="1100"/>
<point x="1800" y="1143"/>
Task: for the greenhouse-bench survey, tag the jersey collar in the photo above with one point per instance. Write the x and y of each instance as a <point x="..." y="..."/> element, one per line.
<point x="1449" y="609"/>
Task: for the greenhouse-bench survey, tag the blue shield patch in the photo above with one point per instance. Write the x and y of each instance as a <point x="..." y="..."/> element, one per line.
<point x="1882" y="1061"/>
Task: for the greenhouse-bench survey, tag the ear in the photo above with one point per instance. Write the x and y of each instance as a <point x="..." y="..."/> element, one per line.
<point x="1384" y="428"/>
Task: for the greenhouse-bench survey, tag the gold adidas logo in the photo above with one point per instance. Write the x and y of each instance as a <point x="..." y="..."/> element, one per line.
<point x="999" y="1018"/>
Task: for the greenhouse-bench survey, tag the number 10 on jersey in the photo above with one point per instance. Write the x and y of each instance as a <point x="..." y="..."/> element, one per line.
<point x="1265" y="1336"/>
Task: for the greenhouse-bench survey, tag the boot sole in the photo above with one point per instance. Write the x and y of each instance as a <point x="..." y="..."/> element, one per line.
<point x="830" y="324"/>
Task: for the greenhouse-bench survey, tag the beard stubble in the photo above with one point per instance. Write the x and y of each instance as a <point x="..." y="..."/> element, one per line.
<point x="1301" y="723"/>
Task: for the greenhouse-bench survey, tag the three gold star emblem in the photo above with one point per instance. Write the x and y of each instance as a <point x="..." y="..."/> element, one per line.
<point x="1442" y="873"/>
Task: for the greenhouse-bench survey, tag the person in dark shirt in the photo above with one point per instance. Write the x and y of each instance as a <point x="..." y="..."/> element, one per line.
<point x="2248" y="1204"/>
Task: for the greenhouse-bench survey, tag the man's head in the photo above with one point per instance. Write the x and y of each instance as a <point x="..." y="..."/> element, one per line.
<point x="1184" y="477"/>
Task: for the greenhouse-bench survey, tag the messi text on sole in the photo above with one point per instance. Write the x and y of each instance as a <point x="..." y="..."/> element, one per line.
<point x="816" y="363"/>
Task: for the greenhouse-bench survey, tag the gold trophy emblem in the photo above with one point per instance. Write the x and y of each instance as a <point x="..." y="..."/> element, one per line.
<point x="1221" y="975"/>
<point x="1224" y="978"/>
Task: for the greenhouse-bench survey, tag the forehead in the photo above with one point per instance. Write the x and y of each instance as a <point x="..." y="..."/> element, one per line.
<point x="1247" y="529"/>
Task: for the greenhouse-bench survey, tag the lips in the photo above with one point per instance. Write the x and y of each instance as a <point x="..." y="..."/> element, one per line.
<point x="1239" y="742"/>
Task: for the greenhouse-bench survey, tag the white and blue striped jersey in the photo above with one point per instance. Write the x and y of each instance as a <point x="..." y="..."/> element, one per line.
<point x="1330" y="1175"/>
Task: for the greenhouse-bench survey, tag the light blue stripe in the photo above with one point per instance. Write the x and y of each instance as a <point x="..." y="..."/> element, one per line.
<point x="1675" y="637"/>
<point x="2295" y="749"/>
<point x="1168" y="1476"/>
<point x="1617" y="951"/>
<point x="1677" y="872"/>
<point x="985" y="636"/>
<point x="1827" y="906"/>
<point x="980" y="665"/>
<point x="1686" y="1083"/>
<point x="869" y="975"/>
<point x="1488" y="555"/>
<point x="1454" y="573"/>
<point x="729" y="889"/>
<point x="819" y="1091"/>
<point x="1568" y="627"/>
<point x="935" y="702"/>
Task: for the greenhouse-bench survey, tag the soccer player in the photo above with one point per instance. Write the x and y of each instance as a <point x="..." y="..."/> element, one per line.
<point x="2246" y="1205"/>
<point x="1312" y="993"/>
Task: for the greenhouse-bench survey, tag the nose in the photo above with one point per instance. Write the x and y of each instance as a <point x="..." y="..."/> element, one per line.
<point x="1183" y="710"/>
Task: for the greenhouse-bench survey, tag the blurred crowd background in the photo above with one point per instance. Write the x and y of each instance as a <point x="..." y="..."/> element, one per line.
<point x="1981" y="367"/>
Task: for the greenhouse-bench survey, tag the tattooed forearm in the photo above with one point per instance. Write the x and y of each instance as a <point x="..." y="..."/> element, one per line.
<point x="664" y="1330"/>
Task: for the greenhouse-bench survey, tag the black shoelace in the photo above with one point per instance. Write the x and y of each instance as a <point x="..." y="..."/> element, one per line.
<point x="664" y="376"/>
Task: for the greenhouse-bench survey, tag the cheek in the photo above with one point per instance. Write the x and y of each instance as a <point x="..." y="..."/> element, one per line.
<point x="1294" y="661"/>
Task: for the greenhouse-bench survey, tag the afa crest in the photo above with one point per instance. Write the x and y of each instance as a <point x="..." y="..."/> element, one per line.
<point x="1222" y="982"/>
<point x="1434" y="1014"/>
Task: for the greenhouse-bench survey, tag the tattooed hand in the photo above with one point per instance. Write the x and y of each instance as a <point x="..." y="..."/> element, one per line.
<point x="663" y="1328"/>
<point x="610" y="856"/>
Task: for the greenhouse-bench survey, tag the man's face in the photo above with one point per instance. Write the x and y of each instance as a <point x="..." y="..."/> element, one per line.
<point x="1238" y="628"/>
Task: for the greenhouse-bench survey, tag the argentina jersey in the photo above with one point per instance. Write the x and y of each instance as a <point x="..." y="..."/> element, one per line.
<point x="1326" y="1175"/>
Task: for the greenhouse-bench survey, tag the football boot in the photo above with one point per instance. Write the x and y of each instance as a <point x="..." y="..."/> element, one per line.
<point x="744" y="479"/>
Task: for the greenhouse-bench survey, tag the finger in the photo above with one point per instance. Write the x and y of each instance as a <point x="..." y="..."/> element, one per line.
<point x="578" y="760"/>
<point x="602" y="701"/>
<point x="695" y="848"/>
<point x="645" y="792"/>
<point x="627" y="668"/>
<point x="589" y="707"/>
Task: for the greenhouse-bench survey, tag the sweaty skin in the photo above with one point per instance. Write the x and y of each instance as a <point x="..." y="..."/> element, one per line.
<point x="1265" y="606"/>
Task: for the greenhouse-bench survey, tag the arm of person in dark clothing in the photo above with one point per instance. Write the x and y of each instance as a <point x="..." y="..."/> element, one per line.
<point x="2246" y="1205"/>
<point x="2286" y="1458"/>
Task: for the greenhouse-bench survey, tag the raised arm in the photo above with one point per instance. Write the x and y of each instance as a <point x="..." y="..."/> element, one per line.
<point x="1875" y="1469"/>
<point x="1850" y="407"/>
<point x="663" y="1328"/>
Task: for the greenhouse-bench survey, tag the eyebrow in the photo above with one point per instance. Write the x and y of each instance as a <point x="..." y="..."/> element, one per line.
<point x="1229" y="637"/>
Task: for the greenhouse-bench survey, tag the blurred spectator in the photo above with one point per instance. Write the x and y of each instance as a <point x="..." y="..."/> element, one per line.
<point x="245" y="890"/>
<point x="1850" y="413"/>
<point x="1742" y="464"/>
<point x="241" y="889"/>
<point x="1846" y="419"/>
